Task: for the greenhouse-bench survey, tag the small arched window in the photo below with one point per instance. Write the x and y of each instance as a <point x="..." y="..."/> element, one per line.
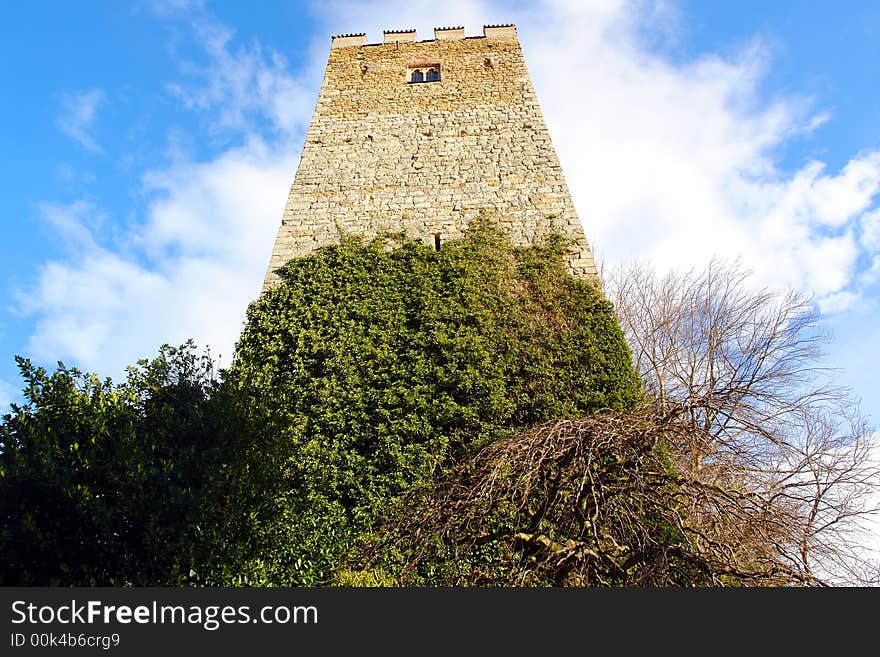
<point x="417" y="76"/>
<point x="433" y="75"/>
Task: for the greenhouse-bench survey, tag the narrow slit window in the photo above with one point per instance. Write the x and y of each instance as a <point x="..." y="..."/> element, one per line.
<point x="436" y="241"/>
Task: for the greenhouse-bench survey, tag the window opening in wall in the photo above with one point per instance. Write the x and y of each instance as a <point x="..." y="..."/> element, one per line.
<point x="436" y="241"/>
<point x="423" y="73"/>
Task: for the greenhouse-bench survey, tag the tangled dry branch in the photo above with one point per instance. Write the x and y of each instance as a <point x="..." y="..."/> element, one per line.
<point x="597" y="501"/>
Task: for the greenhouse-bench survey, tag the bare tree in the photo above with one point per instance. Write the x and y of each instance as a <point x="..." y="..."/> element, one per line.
<point x="744" y="365"/>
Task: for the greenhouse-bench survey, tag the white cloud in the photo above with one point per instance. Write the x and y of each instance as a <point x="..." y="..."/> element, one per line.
<point x="77" y="117"/>
<point x="219" y="209"/>
<point x="8" y="394"/>
<point x="73" y="223"/>
<point x="871" y="231"/>
<point x="197" y="257"/>
<point x="838" y="302"/>
<point x="190" y="271"/>
<point x="679" y="164"/>
<point x="241" y="83"/>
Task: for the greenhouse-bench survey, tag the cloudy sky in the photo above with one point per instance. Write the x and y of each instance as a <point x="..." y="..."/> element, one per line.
<point x="149" y="148"/>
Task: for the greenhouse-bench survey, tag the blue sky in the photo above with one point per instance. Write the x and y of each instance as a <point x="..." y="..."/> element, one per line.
<point x="149" y="148"/>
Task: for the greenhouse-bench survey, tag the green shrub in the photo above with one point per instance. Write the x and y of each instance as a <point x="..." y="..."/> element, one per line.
<point x="381" y="366"/>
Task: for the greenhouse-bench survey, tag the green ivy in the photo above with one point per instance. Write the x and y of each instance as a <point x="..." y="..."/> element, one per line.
<point x="381" y="366"/>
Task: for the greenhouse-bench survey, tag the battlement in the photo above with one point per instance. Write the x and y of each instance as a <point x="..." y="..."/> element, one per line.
<point x="393" y="36"/>
<point x="506" y="31"/>
<point x="348" y="40"/>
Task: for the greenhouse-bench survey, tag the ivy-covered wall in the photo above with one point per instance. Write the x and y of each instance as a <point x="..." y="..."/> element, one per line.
<point x="382" y="366"/>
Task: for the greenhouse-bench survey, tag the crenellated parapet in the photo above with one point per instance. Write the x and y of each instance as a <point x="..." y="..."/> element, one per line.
<point x="409" y="35"/>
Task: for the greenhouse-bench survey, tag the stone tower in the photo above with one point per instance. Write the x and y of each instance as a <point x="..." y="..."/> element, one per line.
<point x="421" y="137"/>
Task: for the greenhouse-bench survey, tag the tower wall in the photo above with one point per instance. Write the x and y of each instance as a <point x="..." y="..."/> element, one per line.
<point x="384" y="154"/>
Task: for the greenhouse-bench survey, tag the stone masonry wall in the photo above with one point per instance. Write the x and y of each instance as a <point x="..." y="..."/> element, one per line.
<point x="383" y="154"/>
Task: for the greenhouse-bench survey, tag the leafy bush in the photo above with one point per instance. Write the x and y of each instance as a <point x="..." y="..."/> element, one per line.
<point x="383" y="366"/>
<point x="112" y="484"/>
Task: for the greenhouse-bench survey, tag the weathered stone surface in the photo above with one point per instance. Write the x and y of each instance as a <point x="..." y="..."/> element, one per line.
<point x="384" y="154"/>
